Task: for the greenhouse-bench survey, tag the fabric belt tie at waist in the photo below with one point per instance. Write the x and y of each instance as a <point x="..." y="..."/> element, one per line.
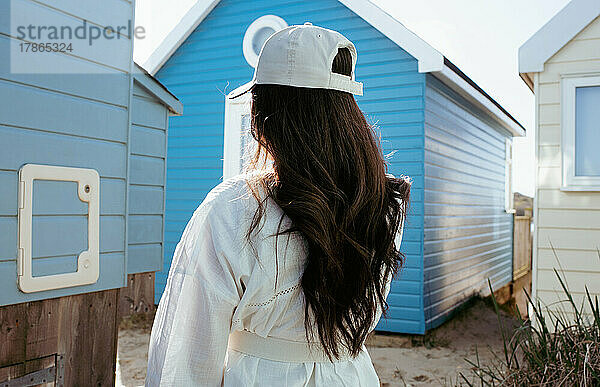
<point x="275" y="349"/>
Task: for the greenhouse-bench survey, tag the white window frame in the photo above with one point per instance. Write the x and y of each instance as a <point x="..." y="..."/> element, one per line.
<point x="571" y="182"/>
<point x="270" y="21"/>
<point x="508" y="177"/>
<point x="235" y="109"/>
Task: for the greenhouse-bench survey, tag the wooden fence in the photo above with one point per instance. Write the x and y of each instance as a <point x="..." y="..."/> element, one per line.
<point x="522" y="246"/>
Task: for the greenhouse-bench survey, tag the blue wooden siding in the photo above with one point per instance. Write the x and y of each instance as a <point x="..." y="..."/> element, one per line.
<point x="468" y="234"/>
<point x="146" y="182"/>
<point x="79" y="119"/>
<point x="33" y="129"/>
<point x="210" y="63"/>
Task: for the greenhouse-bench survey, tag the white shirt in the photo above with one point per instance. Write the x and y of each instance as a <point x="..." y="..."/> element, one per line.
<point x="219" y="283"/>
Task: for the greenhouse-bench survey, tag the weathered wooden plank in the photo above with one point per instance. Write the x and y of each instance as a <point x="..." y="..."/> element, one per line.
<point x="522" y="243"/>
<point x="88" y="334"/>
<point x="138" y="296"/>
<point x="13" y="327"/>
<point x="81" y="327"/>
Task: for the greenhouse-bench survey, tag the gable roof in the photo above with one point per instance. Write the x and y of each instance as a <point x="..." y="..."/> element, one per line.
<point x="428" y="58"/>
<point x="157" y="89"/>
<point x="554" y="35"/>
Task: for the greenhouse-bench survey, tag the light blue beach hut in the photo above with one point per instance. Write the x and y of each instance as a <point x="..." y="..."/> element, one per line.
<point x="82" y="162"/>
<point x="438" y="126"/>
<point x="81" y="183"/>
<point x="83" y="134"/>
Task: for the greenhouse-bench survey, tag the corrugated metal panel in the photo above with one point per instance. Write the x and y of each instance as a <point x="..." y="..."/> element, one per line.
<point x="211" y="63"/>
<point x="468" y="234"/>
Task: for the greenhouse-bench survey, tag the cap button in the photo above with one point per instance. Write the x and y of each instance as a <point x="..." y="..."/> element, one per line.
<point x="308" y="24"/>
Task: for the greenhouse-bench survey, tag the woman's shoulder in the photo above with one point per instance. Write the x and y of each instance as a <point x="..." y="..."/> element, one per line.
<point x="233" y="197"/>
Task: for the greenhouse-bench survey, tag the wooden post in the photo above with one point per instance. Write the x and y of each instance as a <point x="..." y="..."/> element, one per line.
<point x="138" y="296"/>
<point x="522" y="248"/>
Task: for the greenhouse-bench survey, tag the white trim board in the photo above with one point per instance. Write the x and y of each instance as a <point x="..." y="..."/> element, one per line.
<point x="555" y="34"/>
<point x="179" y="34"/>
<point x="429" y="59"/>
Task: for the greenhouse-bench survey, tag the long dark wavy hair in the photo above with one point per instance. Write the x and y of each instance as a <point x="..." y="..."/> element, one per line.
<point x="328" y="175"/>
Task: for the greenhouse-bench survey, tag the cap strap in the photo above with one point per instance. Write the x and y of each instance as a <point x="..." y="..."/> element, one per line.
<point x="345" y="83"/>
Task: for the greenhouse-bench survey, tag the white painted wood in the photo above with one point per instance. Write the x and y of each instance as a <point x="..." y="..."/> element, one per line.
<point x="570" y="180"/>
<point x="567" y="236"/>
<point x="554" y="198"/>
<point x="235" y="110"/>
<point x="576" y="281"/>
<point x="508" y="176"/>
<point x="584" y="49"/>
<point x="576" y="260"/>
<point x="558" y="300"/>
<point x="577" y="219"/>
<point x="556" y="34"/>
<point x="564" y="238"/>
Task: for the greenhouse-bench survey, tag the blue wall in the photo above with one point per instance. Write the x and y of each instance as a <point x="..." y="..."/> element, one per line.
<point x="41" y="124"/>
<point x="210" y="63"/>
<point x="148" y="151"/>
<point x="468" y="234"/>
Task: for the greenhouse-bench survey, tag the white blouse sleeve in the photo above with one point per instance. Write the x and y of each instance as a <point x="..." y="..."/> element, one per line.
<point x="189" y="337"/>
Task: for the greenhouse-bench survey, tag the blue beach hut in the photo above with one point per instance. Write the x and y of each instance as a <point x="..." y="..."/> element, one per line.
<point x="83" y="138"/>
<point x="437" y="125"/>
<point x="81" y="198"/>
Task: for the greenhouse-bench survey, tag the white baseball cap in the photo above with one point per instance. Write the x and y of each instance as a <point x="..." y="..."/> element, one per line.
<point x="302" y="56"/>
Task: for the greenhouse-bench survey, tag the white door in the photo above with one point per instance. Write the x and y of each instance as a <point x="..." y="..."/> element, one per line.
<point x="238" y="141"/>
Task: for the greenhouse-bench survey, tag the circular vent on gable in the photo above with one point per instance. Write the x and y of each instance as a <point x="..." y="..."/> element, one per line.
<point x="257" y="34"/>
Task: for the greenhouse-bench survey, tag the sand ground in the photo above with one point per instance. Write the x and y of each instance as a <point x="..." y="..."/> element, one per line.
<point x="400" y="360"/>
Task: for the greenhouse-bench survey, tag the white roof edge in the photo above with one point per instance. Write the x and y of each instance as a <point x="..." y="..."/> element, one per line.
<point x="429" y="59"/>
<point x="179" y="34"/>
<point x="556" y="33"/>
<point x="157" y="89"/>
<point x="451" y="79"/>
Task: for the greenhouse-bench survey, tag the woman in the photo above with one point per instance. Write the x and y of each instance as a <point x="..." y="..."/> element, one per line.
<point x="283" y="271"/>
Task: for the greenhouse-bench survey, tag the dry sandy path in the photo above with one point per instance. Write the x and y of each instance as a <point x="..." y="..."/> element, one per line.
<point x="400" y="360"/>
